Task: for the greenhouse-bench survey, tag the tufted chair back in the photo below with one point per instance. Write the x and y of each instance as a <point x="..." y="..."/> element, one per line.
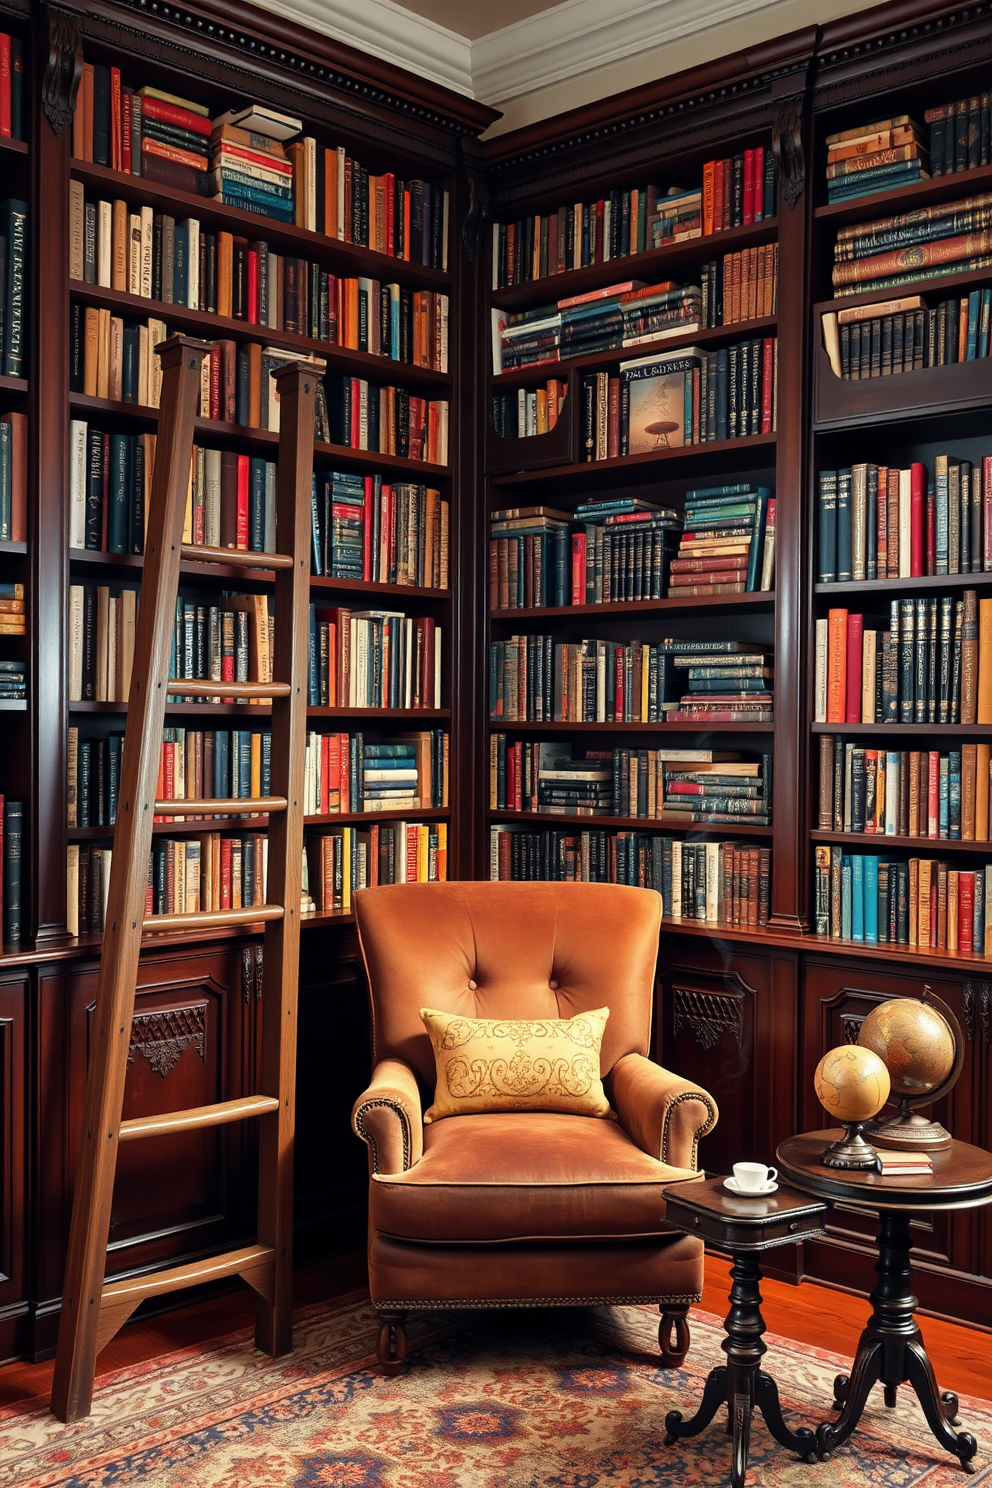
<point x="507" y="950"/>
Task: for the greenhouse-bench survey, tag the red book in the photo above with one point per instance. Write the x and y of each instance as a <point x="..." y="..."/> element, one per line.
<point x="390" y="180"/>
<point x="598" y="253"/>
<point x="216" y="382"/>
<point x="987" y="512"/>
<point x="229" y="363"/>
<point x="728" y="176"/>
<point x="966" y="912"/>
<point x="931" y="518"/>
<point x="253" y="286"/>
<point x="613" y="419"/>
<point x="933" y="793"/>
<point x="367" y="523"/>
<point x="244" y="470"/>
<point x="5" y="66"/>
<point x="355" y="422"/>
<point x="618" y="690"/>
<point x="855" y="639"/>
<point x="767" y="383"/>
<point x="718" y="186"/>
<point x="578" y="568"/>
<point x="115" y="118"/>
<point x="127" y="99"/>
<point x="837" y="667"/>
<point x="748" y="203"/>
<point x="170" y="113"/>
<point x="759" y="183"/>
<point x="18" y="476"/>
<point x="226" y="849"/>
<point x="917" y="519"/>
<point x="708" y="195"/>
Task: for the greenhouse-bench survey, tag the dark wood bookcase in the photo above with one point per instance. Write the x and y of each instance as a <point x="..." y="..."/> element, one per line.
<point x="746" y="1012"/>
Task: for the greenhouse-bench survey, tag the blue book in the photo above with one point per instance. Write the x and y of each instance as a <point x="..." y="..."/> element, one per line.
<point x="313" y="685"/>
<point x="222" y="764"/>
<point x="256" y="505"/>
<point x="858" y="897"/>
<point x="315" y="543"/>
<point x="757" y="539"/>
<point x="827" y="520"/>
<point x="979" y="911"/>
<point x="943" y="809"/>
<point x="180" y="264"/>
<point x="266" y="764"/>
<point x="846" y="896"/>
<point x="870" y="887"/>
<point x="117" y="507"/>
<point x="974" y="313"/>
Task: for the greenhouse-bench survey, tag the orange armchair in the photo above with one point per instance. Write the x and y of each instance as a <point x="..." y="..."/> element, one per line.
<point x="529" y="1209"/>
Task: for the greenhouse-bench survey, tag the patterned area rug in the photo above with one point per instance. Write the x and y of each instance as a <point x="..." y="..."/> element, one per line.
<point x="514" y="1400"/>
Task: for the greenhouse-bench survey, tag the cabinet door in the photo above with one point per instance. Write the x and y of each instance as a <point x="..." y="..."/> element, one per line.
<point x="837" y="998"/>
<point x="175" y="1195"/>
<point x="729" y="1021"/>
<point x="13" y="1159"/>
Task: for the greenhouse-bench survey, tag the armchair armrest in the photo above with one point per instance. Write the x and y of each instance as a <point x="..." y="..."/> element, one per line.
<point x="388" y="1117"/>
<point x="664" y="1114"/>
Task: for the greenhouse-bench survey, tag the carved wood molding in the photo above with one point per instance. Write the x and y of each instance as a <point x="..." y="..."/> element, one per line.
<point x="163" y="1037"/>
<point x="709" y="1015"/>
<point x="477" y="215"/>
<point x="63" y="69"/>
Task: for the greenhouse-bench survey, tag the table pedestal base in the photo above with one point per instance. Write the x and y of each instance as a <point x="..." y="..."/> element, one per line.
<point x="741" y="1384"/>
<point x="891" y="1350"/>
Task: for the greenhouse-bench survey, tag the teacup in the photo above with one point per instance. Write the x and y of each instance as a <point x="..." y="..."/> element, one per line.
<point x="753" y="1177"/>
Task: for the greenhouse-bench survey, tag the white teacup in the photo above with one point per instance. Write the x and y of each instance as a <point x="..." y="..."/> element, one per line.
<point x="753" y="1177"/>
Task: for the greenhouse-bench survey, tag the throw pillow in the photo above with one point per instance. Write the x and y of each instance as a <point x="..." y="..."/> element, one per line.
<point x="516" y="1064"/>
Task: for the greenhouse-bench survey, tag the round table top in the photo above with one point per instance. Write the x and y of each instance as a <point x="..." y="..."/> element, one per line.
<point x="961" y="1177"/>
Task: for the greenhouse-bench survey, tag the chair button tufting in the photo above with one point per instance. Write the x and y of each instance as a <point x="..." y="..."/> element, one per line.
<point x="553" y="985"/>
<point x="471" y="986"/>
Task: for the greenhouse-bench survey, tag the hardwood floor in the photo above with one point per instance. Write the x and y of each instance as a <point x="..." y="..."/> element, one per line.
<point x="808" y="1314"/>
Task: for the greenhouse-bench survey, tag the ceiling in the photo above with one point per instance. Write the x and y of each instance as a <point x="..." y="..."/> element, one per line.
<point x="475" y="18"/>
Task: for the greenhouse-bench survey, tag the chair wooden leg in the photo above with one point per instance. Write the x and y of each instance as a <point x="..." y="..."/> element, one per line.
<point x="673" y="1335"/>
<point x="390" y="1343"/>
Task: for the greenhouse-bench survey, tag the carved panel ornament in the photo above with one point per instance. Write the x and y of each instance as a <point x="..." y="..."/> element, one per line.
<point x="790" y="157"/>
<point x="163" y="1037"/>
<point x="63" y="69"/>
<point x="852" y="1027"/>
<point x="709" y="1015"/>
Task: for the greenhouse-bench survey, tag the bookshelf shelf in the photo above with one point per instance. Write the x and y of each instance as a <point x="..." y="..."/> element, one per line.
<point x="262" y="440"/>
<point x="943" y="285"/>
<point x="399" y="715"/>
<point x="894" y="842"/>
<point x="368" y="586"/>
<point x="16" y="147"/>
<point x="13" y="705"/>
<point x="930" y="393"/>
<point x="891" y="730"/>
<point x="634" y="823"/>
<point x="669" y="260"/>
<point x="260" y="823"/>
<point x="117" y="564"/>
<point x="339" y="359"/>
<point x="199" y="710"/>
<point x="929" y="584"/>
<point x="963" y="960"/>
<point x="505" y="726"/>
<point x="347" y="258"/>
<point x="906" y="198"/>
<point x="740" y="330"/>
<point x="696" y="605"/>
<point x="14" y="385"/>
<point x="14" y="548"/>
<point x="719" y="453"/>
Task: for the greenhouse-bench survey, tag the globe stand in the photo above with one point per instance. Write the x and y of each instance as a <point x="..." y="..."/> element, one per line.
<point x="907" y="1131"/>
<point x="853" y="1153"/>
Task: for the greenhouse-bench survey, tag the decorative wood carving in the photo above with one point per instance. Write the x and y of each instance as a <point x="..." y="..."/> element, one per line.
<point x="163" y="1037"/>
<point x="477" y="215"/>
<point x="63" y="69"/>
<point x="258" y="972"/>
<point x="247" y="973"/>
<point x="985" y="1005"/>
<point x="852" y="1027"/>
<point x="787" y="142"/>
<point x="709" y="1015"/>
<point x="968" y="1010"/>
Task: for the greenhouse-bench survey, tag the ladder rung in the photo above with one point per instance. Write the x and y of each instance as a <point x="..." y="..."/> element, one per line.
<point x="221" y="806"/>
<point x="235" y="557"/>
<point x="214" y="919"/>
<point x="198" y="1116"/>
<point x="185" y="688"/>
<point x="233" y="1263"/>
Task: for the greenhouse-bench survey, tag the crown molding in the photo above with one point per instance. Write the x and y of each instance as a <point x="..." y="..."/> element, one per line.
<point x="389" y="32"/>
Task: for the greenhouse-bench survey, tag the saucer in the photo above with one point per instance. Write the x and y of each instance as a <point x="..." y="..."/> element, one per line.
<point x="730" y="1184"/>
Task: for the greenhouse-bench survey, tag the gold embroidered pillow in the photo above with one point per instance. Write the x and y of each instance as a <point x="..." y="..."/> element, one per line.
<point x="516" y="1064"/>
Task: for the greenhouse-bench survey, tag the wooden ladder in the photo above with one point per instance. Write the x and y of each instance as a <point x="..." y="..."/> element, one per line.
<point x="93" y="1309"/>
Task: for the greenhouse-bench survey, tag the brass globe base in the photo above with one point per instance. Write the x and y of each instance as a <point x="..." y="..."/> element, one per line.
<point x="908" y="1132"/>
<point x="853" y="1153"/>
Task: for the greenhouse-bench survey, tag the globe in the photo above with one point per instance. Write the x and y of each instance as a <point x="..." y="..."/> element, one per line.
<point x="914" y="1042"/>
<point x="851" y="1083"/>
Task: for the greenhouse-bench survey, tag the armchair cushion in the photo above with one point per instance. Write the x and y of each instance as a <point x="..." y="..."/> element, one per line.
<point x="524" y="1176"/>
<point x="516" y="1064"/>
<point x="665" y="1115"/>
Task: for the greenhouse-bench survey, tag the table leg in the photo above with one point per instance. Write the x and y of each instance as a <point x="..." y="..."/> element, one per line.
<point x="891" y="1350"/>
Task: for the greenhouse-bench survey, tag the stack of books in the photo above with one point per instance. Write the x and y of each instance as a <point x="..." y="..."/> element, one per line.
<point x="573" y="787"/>
<point x="14" y="477"/>
<point x="727" y="683"/>
<point x="626" y="314"/>
<point x="904" y="1164"/>
<point x="724" y="791"/>
<point x="960" y="134"/>
<point x="249" y="167"/>
<point x="907" y="335"/>
<point x="946" y="238"/>
<point x="13" y="288"/>
<point x="11" y="86"/>
<point x="905" y="792"/>
<point x="875" y="157"/>
<point x="922" y="903"/>
<point x="349" y="858"/>
<point x="175" y="139"/>
<point x="13" y="620"/>
<point x="728" y="542"/>
<point x="13" y="681"/>
<point x="528" y="411"/>
<point x="624" y="552"/>
<point x="877" y="521"/>
<point x="528" y="558"/>
<point x="932" y="664"/>
<point x="678" y="216"/>
<point x="344" y="772"/>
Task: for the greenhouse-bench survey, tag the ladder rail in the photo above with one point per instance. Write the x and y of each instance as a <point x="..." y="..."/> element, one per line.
<point x="93" y="1309"/>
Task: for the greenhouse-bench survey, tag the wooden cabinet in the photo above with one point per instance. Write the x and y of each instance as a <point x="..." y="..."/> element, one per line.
<point x="951" y="1251"/>
<point x="13" y="1164"/>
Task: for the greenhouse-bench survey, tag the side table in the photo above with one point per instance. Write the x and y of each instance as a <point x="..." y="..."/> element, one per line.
<point x="744" y="1227"/>
<point x="891" y="1348"/>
